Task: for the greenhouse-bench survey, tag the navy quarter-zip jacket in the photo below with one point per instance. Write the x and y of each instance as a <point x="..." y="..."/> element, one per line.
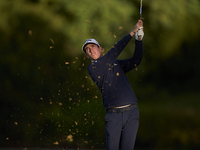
<point x="108" y="73"/>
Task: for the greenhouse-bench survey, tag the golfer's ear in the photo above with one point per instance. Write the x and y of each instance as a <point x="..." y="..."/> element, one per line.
<point x="101" y="49"/>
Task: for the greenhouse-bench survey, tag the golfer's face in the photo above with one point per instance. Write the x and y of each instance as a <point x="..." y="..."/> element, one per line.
<point x="93" y="51"/>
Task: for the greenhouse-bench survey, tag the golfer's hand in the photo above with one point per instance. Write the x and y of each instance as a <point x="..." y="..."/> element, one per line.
<point x="136" y="28"/>
<point x="139" y="24"/>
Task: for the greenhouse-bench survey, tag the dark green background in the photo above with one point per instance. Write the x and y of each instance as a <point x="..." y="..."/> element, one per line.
<point x="47" y="97"/>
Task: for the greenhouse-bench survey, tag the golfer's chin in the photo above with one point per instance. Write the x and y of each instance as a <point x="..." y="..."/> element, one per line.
<point x="95" y="57"/>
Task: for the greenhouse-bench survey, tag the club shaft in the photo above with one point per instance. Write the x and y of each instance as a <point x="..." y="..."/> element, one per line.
<point x="140" y="9"/>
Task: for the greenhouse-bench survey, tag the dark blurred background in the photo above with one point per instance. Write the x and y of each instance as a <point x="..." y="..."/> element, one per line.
<point x="47" y="98"/>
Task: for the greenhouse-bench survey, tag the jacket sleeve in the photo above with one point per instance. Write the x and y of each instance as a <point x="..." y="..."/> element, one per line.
<point x="115" y="51"/>
<point x="135" y="60"/>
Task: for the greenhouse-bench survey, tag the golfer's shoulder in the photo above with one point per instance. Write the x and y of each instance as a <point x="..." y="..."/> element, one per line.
<point x="92" y="66"/>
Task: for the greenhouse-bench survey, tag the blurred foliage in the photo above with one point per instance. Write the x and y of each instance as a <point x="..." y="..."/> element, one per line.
<point x="47" y="96"/>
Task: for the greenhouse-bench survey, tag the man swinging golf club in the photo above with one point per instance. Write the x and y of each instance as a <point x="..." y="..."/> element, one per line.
<point x="120" y="102"/>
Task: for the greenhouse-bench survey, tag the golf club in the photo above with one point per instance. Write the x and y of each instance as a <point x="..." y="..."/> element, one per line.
<point x="140" y="9"/>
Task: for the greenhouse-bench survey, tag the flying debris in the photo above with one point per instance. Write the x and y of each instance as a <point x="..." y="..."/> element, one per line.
<point x="30" y="33"/>
<point x="52" y="41"/>
<point x="88" y="21"/>
<point x="56" y="143"/>
<point x="70" y="138"/>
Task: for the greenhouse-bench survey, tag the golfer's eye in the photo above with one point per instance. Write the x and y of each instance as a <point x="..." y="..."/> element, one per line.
<point x="87" y="49"/>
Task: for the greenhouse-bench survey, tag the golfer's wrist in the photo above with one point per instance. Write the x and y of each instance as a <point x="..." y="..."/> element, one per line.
<point x="133" y="32"/>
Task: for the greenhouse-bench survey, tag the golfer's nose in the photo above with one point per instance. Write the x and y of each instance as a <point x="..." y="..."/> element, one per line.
<point x="91" y="49"/>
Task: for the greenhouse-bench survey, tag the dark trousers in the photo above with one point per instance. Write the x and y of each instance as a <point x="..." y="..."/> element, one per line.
<point x="121" y="127"/>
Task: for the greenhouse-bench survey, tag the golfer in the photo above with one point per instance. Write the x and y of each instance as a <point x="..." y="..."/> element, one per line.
<point x="120" y="102"/>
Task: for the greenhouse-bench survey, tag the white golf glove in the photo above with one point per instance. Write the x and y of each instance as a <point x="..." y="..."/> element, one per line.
<point x="139" y="34"/>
